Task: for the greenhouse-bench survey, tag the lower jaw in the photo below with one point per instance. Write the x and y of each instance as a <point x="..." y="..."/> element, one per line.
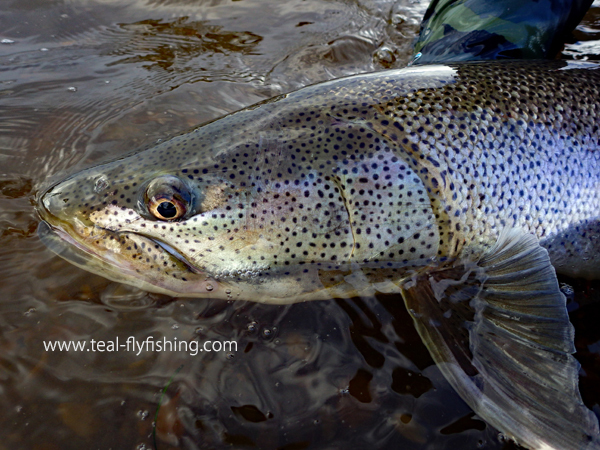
<point x="68" y="248"/>
<point x="64" y="245"/>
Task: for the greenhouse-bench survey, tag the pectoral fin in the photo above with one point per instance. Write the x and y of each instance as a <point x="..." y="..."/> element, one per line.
<point x="498" y="328"/>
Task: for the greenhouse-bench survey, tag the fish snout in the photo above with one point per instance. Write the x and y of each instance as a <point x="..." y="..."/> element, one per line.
<point x="72" y="201"/>
<point x="51" y="204"/>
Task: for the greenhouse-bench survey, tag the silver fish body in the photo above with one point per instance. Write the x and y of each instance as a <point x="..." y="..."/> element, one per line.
<point x="445" y="183"/>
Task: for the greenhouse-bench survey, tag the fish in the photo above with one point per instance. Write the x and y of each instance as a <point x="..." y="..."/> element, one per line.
<point x="464" y="187"/>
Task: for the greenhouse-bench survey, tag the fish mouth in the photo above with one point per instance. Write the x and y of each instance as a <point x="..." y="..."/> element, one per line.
<point x="112" y="264"/>
<point x="64" y="245"/>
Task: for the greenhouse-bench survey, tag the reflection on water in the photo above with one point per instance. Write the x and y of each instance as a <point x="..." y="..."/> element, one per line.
<point x="585" y="44"/>
<point x="89" y="80"/>
<point x="165" y="43"/>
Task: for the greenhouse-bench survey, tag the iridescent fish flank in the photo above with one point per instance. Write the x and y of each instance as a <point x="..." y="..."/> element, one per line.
<point x="462" y="186"/>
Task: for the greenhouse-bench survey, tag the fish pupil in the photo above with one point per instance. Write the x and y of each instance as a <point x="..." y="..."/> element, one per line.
<point x="167" y="210"/>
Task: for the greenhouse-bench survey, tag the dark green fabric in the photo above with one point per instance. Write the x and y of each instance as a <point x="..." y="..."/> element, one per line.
<point x="461" y="30"/>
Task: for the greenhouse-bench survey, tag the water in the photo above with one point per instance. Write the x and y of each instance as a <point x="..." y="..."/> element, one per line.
<point x="84" y="81"/>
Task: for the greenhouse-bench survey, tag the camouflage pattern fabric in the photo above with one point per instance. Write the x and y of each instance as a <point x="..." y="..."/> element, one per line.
<point x="467" y="30"/>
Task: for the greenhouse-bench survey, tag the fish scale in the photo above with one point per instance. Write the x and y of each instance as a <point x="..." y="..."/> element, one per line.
<point x="454" y="185"/>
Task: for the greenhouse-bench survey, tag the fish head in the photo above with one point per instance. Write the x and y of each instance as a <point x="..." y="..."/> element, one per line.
<point x="208" y="213"/>
<point x="96" y="220"/>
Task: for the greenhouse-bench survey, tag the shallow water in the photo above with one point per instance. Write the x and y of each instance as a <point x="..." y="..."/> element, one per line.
<point x="83" y="81"/>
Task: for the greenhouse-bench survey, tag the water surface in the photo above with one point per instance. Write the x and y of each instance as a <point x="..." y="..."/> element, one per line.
<point x="82" y="81"/>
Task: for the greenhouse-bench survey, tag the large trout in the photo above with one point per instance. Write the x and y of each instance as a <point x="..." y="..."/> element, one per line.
<point x="460" y="186"/>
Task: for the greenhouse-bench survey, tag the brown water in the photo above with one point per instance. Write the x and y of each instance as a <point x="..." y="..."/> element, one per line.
<point x="82" y="81"/>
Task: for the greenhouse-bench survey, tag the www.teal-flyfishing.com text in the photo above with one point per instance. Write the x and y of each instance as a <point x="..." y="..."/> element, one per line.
<point x="132" y="344"/>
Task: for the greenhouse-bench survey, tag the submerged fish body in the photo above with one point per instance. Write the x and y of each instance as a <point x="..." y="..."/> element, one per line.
<point x="456" y="185"/>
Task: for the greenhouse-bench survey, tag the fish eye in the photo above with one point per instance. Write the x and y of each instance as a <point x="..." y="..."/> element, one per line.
<point x="168" y="198"/>
<point x="167" y="208"/>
